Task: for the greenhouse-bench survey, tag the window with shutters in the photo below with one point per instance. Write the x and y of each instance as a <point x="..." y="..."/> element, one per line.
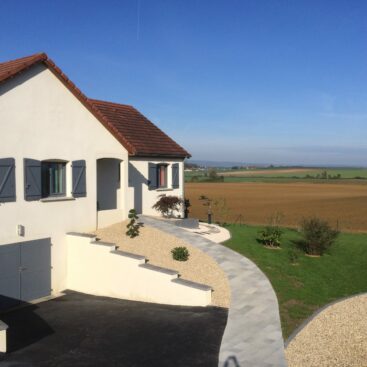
<point x="53" y="179"/>
<point x="162" y="176"/>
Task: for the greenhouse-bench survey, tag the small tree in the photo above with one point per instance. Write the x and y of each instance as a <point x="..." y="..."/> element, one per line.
<point x="133" y="227"/>
<point x="187" y="205"/>
<point x="324" y="175"/>
<point x="207" y="202"/>
<point x="213" y="175"/>
<point x="317" y="235"/>
<point x="221" y="210"/>
<point x="167" y="205"/>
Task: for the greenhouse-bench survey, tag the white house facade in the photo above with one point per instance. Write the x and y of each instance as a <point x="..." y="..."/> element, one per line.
<point x="69" y="164"/>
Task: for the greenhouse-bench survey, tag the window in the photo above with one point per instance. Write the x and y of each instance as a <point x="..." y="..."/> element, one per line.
<point x="53" y="178"/>
<point x="162" y="175"/>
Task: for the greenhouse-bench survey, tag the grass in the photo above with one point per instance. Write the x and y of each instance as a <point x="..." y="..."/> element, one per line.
<point x="311" y="283"/>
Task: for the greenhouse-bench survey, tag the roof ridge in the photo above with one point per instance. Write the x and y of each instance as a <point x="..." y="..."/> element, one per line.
<point x="93" y="100"/>
<point x="38" y="54"/>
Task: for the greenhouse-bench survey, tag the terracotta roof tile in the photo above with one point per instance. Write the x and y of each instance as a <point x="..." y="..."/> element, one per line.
<point x="145" y="137"/>
<point x="11" y="68"/>
<point x="133" y="130"/>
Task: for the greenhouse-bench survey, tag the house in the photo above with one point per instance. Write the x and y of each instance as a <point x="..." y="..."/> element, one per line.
<point x="69" y="163"/>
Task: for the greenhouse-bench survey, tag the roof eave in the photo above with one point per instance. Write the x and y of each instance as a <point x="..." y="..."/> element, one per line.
<point x="161" y="155"/>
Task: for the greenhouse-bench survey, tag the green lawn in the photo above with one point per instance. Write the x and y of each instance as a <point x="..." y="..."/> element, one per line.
<point x="313" y="282"/>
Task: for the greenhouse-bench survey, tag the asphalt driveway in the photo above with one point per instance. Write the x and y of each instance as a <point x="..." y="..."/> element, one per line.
<point x="81" y="330"/>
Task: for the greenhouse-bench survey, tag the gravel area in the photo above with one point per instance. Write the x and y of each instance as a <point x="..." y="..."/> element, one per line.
<point x="335" y="337"/>
<point x="156" y="246"/>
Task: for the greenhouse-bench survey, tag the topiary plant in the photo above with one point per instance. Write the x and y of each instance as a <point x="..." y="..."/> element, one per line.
<point x="133" y="227"/>
<point x="180" y="253"/>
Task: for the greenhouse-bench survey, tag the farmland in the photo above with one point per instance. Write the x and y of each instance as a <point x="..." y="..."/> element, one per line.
<point x="342" y="203"/>
<point x="282" y="174"/>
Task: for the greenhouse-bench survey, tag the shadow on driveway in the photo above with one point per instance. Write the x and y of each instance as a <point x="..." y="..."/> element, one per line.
<point x="83" y="330"/>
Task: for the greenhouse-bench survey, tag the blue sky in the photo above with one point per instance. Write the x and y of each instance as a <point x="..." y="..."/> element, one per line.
<point x="262" y="81"/>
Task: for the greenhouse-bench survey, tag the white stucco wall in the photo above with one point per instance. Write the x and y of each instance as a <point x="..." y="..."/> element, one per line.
<point x="94" y="269"/>
<point x="41" y="119"/>
<point x="140" y="197"/>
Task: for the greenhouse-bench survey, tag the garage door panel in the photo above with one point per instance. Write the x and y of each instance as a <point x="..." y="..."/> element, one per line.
<point x="36" y="254"/>
<point x="9" y="292"/>
<point x="35" y="284"/>
<point x="9" y="260"/>
<point x="25" y="271"/>
<point x="36" y="273"/>
<point x="9" y="276"/>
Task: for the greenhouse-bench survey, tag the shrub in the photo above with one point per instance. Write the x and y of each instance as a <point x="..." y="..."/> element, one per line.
<point x="318" y="236"/>
<point x="133" y="227"/>
<point x="180" y="253"/>
<point x="167" y="205"/>
<point x="271" y="236"/>
<point x="293" y="255"/>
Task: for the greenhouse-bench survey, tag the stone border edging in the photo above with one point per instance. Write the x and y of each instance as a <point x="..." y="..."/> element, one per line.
<point x="315" y="314"/>
<point x="253" y="335"/>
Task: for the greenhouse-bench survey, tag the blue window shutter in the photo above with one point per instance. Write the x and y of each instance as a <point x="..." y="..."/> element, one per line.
<point x="32" y="180"/>
<point x="7" y="180"/>
<point x="175" y="175"/>
<point x="79" y="179"/>
<point x="152" y="176"/>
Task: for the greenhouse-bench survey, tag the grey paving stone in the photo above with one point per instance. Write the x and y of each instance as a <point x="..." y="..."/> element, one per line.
<point x="253" y="336"/>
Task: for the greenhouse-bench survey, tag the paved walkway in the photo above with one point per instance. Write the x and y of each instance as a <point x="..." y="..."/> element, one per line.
<point x="211" y="232"/>
<point x="253" y="336"/>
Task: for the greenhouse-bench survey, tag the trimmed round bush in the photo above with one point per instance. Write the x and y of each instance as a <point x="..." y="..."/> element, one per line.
<point x="180" y="253"/>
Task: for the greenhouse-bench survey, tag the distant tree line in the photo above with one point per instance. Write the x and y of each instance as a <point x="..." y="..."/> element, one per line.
<point x="209" y="176"/>
<point x="191" y="165"/>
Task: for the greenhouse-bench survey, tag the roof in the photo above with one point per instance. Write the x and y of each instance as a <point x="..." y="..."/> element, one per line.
<point x="139" y="136"/>
<point x="145" y="137"/>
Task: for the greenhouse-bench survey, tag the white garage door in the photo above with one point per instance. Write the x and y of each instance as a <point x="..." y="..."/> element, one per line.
<point x="25" y="271"/>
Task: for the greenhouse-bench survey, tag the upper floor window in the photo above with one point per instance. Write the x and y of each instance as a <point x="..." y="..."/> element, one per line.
<point x="53" y="178"/>
<point x="162" y="175"/>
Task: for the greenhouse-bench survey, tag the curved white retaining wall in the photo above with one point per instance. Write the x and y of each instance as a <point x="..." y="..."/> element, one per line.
<point x="97" y="268"/>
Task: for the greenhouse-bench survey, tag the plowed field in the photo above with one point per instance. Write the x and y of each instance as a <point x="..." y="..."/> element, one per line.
<point x="342" y="204"/>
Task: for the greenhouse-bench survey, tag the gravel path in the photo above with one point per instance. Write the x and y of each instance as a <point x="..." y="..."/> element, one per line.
<point x="335" y="337"/>
<point x="156" y="246"/>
